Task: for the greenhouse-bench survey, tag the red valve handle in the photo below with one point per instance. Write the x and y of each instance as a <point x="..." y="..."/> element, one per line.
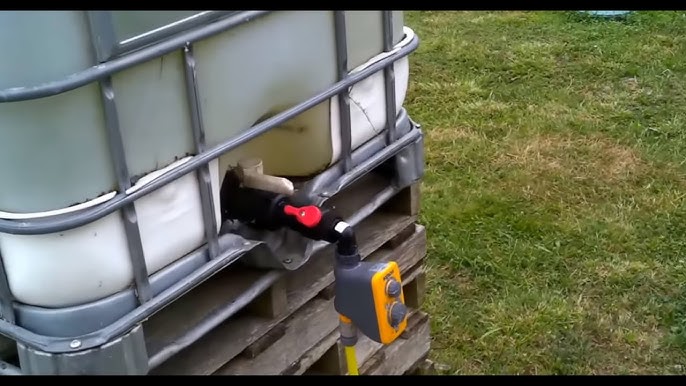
<point x="309" y="216"/>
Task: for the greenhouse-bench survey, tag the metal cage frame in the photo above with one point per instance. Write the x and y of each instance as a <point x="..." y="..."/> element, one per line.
<point x="115" y="57"/>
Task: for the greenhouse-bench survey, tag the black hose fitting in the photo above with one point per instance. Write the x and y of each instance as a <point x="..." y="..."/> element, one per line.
<point x="347" y="253"/>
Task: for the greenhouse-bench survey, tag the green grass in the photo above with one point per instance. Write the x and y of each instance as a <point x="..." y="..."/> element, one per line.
<point x="554" y="191"/>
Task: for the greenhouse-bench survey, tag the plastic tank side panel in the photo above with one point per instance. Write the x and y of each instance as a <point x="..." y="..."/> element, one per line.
<point x="130" y="24"/>
<point x="68" y="268"/>
<point x="263" y="68"/>
<point x="171" y="220"/>
<point x="154" y="116"/>
<point x="91" y="262"/>
<point x="398" y="24"/>
<point x="42" y="46"/>
<point x="54" y="152"/>
<point x="284" y="150"/>
<point x="364" y="31"/>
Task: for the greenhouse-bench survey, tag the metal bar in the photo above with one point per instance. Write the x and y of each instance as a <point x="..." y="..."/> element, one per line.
<point x="365" y="211"/>
<point x="145" y="311"/>
<point x="214" y="319"/>
<point x="150" y="37"/>
<point x="389" y="76"/>
<point x="57" y="224"/>
<point x="344" y="96"/>
<point x="203" y="174"/>
<point x="375" y="203"/>
<point x="8" y="369"/>
<point x="6" y="298"/>
<point x="102" y="34"/>
<point x="311" y="190"/>
<point x="95" y="73"/>
<point x="371" y="164"/>
<point x="128" y="213"/>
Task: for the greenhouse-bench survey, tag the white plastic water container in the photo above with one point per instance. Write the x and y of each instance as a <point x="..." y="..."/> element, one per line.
<point x="54" y="154"/>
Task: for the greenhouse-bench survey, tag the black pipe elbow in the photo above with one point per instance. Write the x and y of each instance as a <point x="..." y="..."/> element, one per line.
<point x="347" y="253"/>
<point x="347" y="243"/>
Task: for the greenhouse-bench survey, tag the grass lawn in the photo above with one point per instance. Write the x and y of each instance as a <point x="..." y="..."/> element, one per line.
<point x="554" y="196"/>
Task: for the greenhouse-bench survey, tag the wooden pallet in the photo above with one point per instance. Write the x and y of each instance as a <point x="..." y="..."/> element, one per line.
<point x="387" y="233"/>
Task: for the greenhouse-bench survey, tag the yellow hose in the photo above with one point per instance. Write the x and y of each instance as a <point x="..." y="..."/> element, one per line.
<point x="351" y="360"/>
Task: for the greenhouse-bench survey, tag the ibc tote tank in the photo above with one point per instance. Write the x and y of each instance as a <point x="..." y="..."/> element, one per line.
<point x="55" y="152"/>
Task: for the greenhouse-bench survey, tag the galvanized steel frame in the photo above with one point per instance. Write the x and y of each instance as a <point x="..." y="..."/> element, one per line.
<point x="217" y="259"/>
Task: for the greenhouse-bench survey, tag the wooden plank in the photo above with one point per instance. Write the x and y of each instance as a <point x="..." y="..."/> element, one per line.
<point x="403" y="354"/>
<point x="271" y="303"/>
<point x="423" y="367"/>
<point x="360" y="193"/>
<point x="309" y="331"/>
<point x="414" y="292"/>
<point x="410" y="275"/>
<point x="265" y="341"/>
<point x="407" y="201"/>
<point x="188" y="311"/>
<point x="400" y="237"/>
<point x="327" y="293"/>
<point x="330" y="362"/>
<point x="370" y="354"/>
<point x="312" y="356"/>
<point x="365" y="349"/>
<point x="283" y="356"/>
<point x="233" y="336"/>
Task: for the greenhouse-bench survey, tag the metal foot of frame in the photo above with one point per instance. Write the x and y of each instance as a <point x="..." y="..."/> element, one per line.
<point x="126" y="355"/>
<point x="409" y="163"/>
